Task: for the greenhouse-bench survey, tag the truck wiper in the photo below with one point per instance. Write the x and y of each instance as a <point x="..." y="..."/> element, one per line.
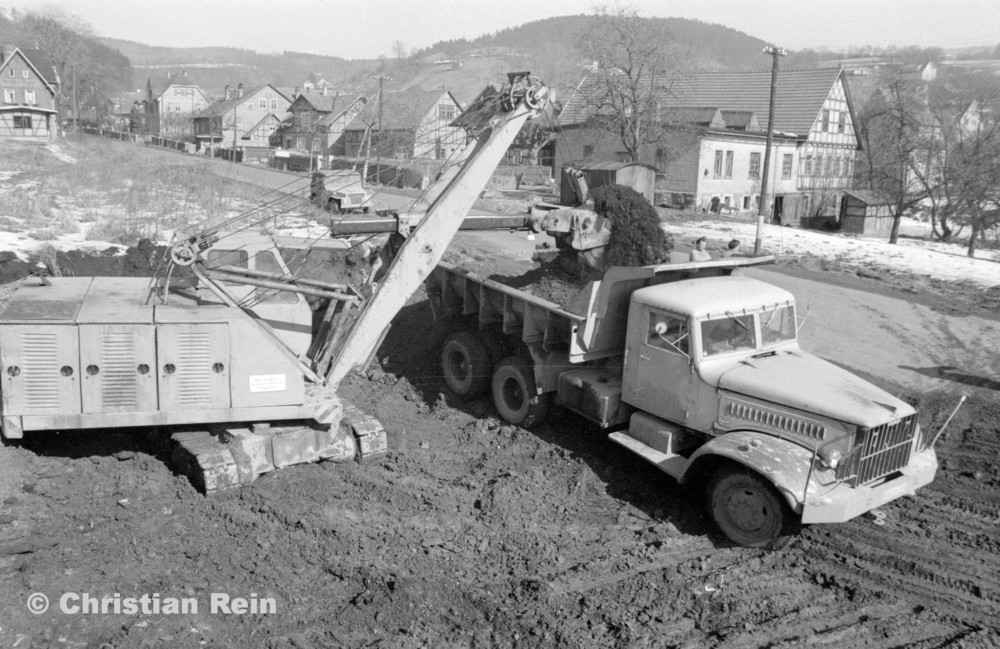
<point x="738" y="321"/>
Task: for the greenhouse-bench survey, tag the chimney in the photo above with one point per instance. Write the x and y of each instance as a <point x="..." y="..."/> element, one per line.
<point x="295" y="93"/>
<point x="322" y="91"/>
<point x="228" y="92"/>
<point x="239" y="91"/>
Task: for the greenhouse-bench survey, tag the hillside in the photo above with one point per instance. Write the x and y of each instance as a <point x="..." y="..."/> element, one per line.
<point x="549" y="48"/>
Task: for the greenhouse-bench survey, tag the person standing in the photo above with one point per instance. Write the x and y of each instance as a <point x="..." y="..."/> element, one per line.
<point x="733" y="249"/>
<point x="699" y="253"/>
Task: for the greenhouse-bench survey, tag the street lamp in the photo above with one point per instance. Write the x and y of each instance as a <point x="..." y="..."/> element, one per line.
<point x="774" y="53"/>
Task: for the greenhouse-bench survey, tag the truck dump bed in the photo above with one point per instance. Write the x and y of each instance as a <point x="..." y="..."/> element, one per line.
<point x="591" y="325"/>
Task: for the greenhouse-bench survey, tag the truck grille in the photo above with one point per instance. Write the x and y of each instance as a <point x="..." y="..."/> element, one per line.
<point x="879" y="451"/>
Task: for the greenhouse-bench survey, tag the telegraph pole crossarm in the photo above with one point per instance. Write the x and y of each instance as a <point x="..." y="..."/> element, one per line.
<point x="774" y="53"/>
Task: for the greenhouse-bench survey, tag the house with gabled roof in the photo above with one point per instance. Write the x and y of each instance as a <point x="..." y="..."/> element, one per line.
<point x="170" y="103"/>
<point x="407" y="124"/>
<point x="241" y="119"/>
<point x="317" y="121"/>
<point x="721" y="119"/>
<point x="29" y="86"/>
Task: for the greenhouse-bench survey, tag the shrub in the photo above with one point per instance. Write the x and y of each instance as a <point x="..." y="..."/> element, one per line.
<point x="636" y="236"/>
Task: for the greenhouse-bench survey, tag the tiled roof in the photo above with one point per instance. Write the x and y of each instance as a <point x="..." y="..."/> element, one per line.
<point x="222" y="106"/>
<point x="264" y="120"/>
<point x="345" y="105"/>
<point x="400" y="110"/>
<point x="320" y="102"/>
<point x="42" y="63"/>
<point x="799" y="96"/>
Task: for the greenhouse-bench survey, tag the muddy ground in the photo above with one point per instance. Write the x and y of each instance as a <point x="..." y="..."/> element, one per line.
<point x="473" y="533"/>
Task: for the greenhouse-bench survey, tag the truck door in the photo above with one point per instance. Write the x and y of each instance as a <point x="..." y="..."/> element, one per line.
<point x="658" y="374"/>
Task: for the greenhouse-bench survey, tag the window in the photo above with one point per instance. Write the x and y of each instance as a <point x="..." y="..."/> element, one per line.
<point x="726" y="334"/>
<point x="777" y="325"/>
<point x="828" y="169"/>
<point x="661" y="158"/>
<point x="836" y="166"/>
<point x="22" y="121"/>
<point x="746" y="202"/>
<point x="786" y="166"/>
<point x="807" y="166"/>
<point x="8" y="96"/>
<point x="729" y="164"/>
<point x="668" y="332"/>
<point x="24" y="74"/>
<point x="266" y="261"/>
<point x="826" y="121"/>
<point x="262" y="103"/>
<point x="717" y="171"/>
<point x="848" y="164"/>
<point x="754" y="165"/>
<point x="818" y="169"/>
<point x="446" y="113"/>
<point x="11" y="71"/>
<point x="842" y="122"/>
<point x="29" y="97"/>
<point x="588" y="152"/>
<point x="274" y="103"/>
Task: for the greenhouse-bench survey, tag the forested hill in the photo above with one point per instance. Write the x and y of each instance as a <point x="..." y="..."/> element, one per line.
<point x="709" y="46"/>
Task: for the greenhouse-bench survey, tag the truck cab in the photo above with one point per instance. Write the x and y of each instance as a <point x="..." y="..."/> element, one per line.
<point x="720" y="385"/>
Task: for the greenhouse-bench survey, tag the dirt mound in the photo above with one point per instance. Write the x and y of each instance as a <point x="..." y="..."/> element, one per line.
<point x="548" y="282"/>
<point x="114" y="261"/>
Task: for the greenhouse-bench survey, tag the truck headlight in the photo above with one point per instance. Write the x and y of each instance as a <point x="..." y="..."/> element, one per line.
<point x="830" y="459"/>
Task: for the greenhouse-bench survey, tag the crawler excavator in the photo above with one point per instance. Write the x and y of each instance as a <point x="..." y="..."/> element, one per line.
<point x="220" y="342"/>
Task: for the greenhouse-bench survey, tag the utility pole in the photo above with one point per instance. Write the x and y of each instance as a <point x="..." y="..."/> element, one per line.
<point x="237" y="103"/>
<point x="378" y="145"/>
<point x="774" y="53"/>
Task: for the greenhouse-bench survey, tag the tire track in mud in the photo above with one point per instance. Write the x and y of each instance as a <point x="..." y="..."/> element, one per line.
<point x="938" y="550"/>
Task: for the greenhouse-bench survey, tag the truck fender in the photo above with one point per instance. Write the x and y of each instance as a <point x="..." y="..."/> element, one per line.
<point x="784" y="464"/>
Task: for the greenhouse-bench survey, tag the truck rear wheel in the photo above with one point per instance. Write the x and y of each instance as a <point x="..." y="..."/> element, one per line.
<point x="465" y="364"/>
<point x="514" y="393"/>
<point x="747" y="509"/>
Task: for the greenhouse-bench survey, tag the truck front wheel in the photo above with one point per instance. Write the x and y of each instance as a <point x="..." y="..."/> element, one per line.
<point x="514" y="393"/>
<point x="747" y="509"/>
<point x="465" y="364"/>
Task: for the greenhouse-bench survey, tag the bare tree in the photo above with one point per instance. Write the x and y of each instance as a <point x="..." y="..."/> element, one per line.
<point x="636" y="66"/>
<point x="970" y="174"/>
<point x="399" y="49"/>
<point x="895" y="127"/>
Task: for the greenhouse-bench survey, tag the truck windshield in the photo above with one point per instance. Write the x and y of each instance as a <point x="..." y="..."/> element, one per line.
<point x="777" y="324"/>
<point x="726" y="334"/>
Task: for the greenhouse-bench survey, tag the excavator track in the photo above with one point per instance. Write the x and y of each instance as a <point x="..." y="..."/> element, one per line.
<point x="233" y="457"/>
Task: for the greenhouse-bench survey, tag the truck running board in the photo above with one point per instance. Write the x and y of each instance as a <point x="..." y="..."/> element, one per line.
<point x="671" y="464"/>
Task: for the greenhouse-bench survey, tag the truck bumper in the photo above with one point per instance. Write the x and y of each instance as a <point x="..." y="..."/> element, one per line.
<point x="836" y="504"/>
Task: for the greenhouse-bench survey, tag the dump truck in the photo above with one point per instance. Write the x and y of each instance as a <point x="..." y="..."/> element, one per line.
<point x="221" y="343"/>
<point x="697" y="370"/>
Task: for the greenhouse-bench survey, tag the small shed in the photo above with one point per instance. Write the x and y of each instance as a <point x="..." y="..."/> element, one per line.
<point x="640" y="177"/>
<point x="865" y="212"/>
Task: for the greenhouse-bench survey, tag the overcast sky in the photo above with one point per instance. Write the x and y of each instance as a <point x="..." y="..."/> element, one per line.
<point x="366" y="28"/>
